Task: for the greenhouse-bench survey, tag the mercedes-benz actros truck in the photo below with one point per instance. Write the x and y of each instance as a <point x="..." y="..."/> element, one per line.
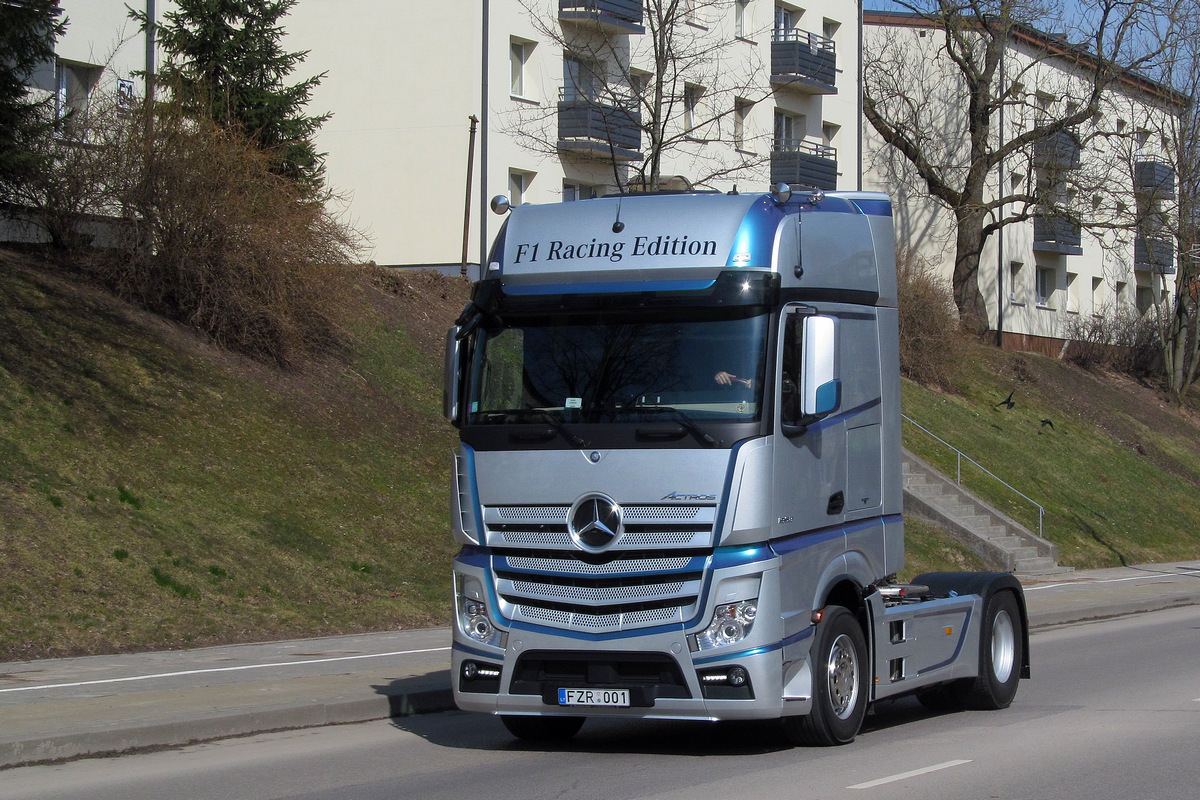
<point x="678" y="486"/>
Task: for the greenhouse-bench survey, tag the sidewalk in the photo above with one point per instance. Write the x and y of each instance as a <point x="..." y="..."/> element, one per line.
<point x="65" y="708"/>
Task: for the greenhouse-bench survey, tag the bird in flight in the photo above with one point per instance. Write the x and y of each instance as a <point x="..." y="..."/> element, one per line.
<point x="1006" y="402"/>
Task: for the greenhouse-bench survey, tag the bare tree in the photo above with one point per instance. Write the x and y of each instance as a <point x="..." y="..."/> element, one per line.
<point x="1180" y="138"/>
<point x="658" y="102"/>
<point x="937" y="109"/>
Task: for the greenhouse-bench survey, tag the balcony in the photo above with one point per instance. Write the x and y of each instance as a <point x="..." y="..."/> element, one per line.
<point x="804" y="62"/>
<point x="1057" y="151"/>
<point x="613" y="16"/>
<point x="1154" y="180"/>
<point x="1057" y="235"/>
<point x="592" y="127"/>
<point x="1155" y="254"/>
<point x="800" y="163"/>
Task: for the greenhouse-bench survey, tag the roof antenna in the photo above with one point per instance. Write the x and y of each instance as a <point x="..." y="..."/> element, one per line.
<point x="618" y="226"/>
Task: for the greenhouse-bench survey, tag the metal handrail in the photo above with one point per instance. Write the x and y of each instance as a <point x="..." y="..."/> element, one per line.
<point x="958" y="476"/>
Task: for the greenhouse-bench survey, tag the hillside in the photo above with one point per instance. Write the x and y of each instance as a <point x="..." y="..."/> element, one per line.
<point x="157" y="492"/>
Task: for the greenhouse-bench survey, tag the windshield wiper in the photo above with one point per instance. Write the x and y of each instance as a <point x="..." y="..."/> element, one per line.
<point x="543" y="414"/>
<point x="683" y="420"/>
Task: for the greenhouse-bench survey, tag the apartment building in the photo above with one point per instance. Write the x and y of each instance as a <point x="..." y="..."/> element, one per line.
<point x="561" y="93"/>
<point x="1098" y="243"/>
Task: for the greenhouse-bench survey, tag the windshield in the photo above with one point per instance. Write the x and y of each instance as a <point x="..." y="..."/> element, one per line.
<point x="694" y="366"/>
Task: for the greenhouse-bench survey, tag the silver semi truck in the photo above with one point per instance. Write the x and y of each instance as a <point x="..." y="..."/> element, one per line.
<point x="678" y="488"/>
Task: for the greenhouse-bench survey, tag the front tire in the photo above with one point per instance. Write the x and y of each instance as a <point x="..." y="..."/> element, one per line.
<point x="542" y="729"/>
<point x="840" y="684"/>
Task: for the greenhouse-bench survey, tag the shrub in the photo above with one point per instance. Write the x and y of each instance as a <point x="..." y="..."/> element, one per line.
<point x="1123" y="341"/>
<point x="213" y="238"/>
<point x="930" y="339"/>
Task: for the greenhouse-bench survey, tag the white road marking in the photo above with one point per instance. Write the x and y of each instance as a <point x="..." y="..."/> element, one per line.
<point x="219" y="669"/>
<point x="914" y="773"/>
<point x="1147" y="576"/>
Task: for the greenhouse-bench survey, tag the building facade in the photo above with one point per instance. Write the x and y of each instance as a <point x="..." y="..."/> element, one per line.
<point x="1094" y="243"/>
<point x="769" y="92"/>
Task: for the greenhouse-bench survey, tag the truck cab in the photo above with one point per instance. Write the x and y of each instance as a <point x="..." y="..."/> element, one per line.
<point x="678" y="487"/>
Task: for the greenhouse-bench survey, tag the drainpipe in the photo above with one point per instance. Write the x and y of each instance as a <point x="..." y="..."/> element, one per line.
<point x="859" y="117"/>
<point x="1000" y="233"/>
<point x="483" y="147"/>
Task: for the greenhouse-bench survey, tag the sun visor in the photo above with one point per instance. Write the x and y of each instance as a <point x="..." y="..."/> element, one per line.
<point x="691" y="237"/>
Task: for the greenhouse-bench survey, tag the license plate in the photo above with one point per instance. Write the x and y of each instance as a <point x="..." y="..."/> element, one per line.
<point x="594" y="697"/>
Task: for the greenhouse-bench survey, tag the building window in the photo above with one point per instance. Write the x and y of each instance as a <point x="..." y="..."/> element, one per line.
<point x="1121" y="301"/>
<point x="829" y="28"/>
<point x="579" y="79"/>
<point x="1045" y="287"/>
<point x="1072" y="294"/>
<point x="785" y="23"/>
<point x="518" y="58"/>
<point x="577" y="191"/>
<point x="740" y="18"/>
<point x="829" y="133"/>
<point x="1097" y="299"/>
<point x="73" y="86"/>
<point x="741" y="110"/>
<point x="518" y="186"/>
<point x="1014" y="281"/>
<point x="1145" y="299"/>
<point x="789" y="130"/>
<point x="691" y="102"/>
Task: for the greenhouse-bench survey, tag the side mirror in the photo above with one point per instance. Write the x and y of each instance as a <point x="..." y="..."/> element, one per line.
<point x="810" y="355"/>
<point x="450" y="385"/>
<point x="822" y="388"/>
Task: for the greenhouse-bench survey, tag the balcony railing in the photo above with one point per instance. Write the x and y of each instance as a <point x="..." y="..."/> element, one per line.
<point x="593" y="126"/>
<point x="1057" y="151"/>
<point x="804" y="61"/>
<point x="1057" y="235"/>
<point x="1153" y="253"/>
<point x="1154" y="180"/>
<point x="802" y="163"/>
<point x="614" y="16"/>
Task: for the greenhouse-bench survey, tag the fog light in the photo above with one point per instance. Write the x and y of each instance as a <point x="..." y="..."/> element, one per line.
<point x="738" y="676"/>
<point x="731" y="623"/>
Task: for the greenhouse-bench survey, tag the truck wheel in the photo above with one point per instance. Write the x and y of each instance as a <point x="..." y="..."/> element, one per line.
<point x="1000" y="656"/>
<point x="542" y="729"/>
<point x="840" y="684"/>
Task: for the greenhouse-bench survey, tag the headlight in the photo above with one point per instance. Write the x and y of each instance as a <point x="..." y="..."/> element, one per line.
<point x="731" y="623"/>
<point x="472" y="612"/>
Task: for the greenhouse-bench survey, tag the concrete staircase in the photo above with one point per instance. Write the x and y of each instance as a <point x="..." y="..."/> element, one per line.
<point x="1002" y="542"/>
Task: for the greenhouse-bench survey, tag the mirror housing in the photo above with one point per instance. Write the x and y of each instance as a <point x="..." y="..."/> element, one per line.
<point x="451" y="380"/>
<point x="820" y="390"/>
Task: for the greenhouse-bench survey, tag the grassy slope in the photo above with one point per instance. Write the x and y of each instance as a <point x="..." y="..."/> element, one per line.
<point x="157" y="492"/>
<point x="1117" y="472"/>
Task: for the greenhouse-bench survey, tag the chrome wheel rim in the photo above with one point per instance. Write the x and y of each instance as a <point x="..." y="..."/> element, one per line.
<point x="842" y="669"/>
<point x="1004" y="646"/>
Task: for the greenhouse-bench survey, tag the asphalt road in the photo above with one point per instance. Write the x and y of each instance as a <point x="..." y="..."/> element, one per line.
<point x="1113" y="710"/>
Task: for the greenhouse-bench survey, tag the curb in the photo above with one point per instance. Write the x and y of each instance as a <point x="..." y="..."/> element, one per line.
<point x="194" y="729"/>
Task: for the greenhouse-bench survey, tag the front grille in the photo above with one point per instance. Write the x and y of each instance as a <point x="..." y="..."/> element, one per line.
<point x="652" y="575"/>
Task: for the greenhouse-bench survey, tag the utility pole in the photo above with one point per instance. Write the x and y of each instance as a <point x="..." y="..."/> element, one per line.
<point x="467" y="208"/>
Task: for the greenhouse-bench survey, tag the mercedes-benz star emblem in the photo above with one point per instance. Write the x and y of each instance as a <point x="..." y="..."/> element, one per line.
<point x="594" y="522"/>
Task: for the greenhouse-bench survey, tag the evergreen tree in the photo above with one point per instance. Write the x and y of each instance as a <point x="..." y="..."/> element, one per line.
<point x="28" y="30"/>
<point x="225" y="59"/>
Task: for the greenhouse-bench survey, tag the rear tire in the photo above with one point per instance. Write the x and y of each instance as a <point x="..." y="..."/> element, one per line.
<point x="542" y="729"/>
<point x="1001" y="654"/>
<point x="840" y="684"/>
